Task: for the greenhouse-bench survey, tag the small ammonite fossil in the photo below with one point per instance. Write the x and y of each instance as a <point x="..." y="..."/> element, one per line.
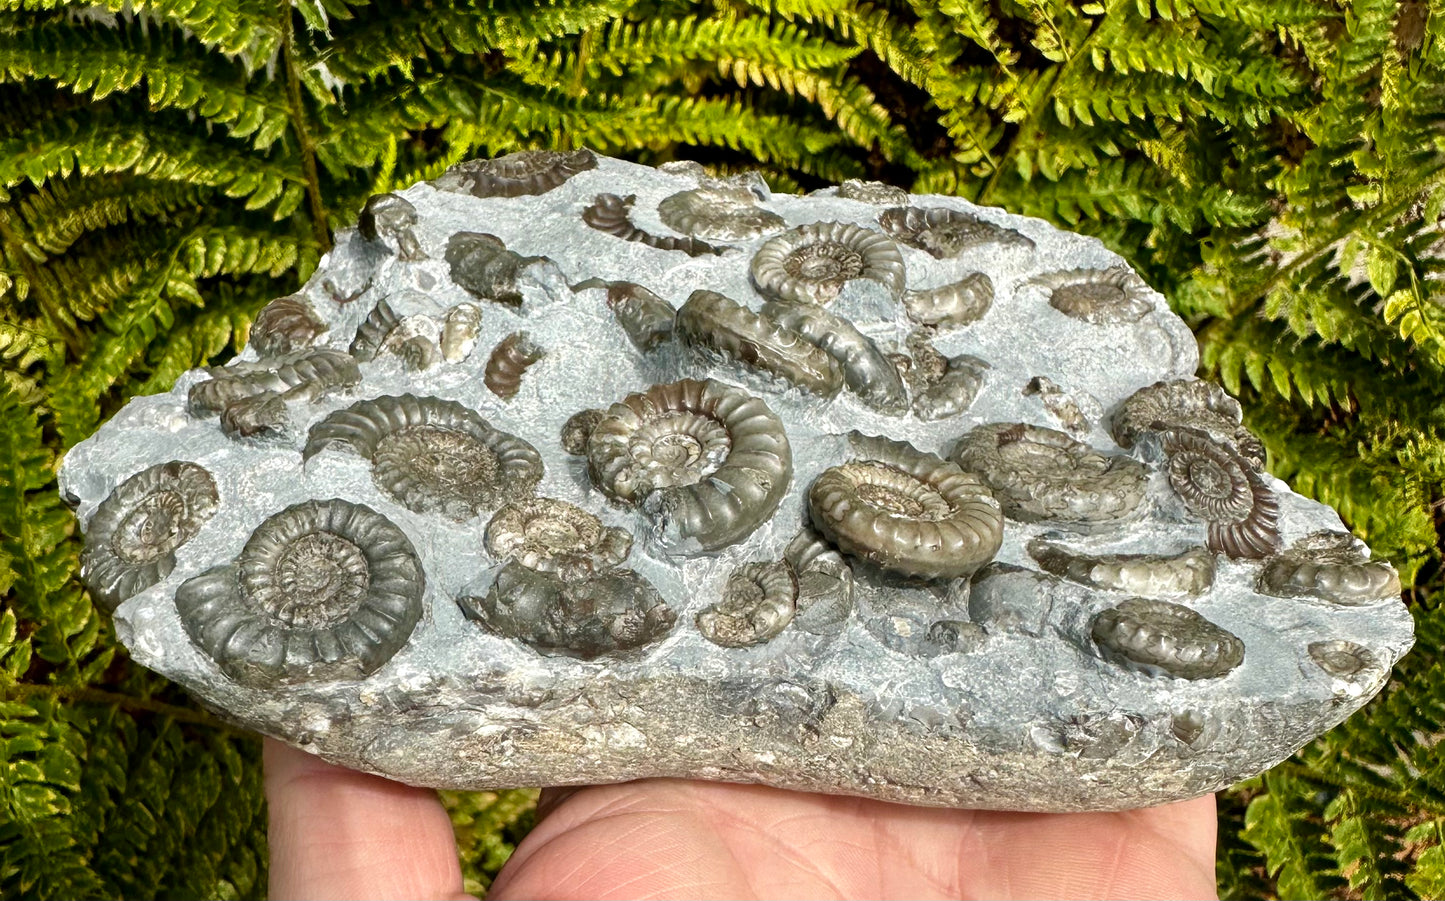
<point x="906" y="511"/>
<point x="875" y="192"/>
<point x="484" y="266"/>
<point x="460" y="329"/>
<point x="708" y="462"/>
<point x="718" y="213"/>
<point x="284" y="326"/>
<point x="554" y="536"/>
<point x="1041" y="474"/>
<point x="645" y="317"/>
<point x="606" y="613"/>
<point x="1098" y="296"/>
<point x="516" y="174"/>
<point x="950" y="392"/>
<point x="131" y="541"/>
<point x="813" y="263"/>
<point x="611" y="215"/>
<point x="323" y="590"/>
<point x="867" y="371"/>
<point x="373" y="332"/>
<point x="1219" y="486"/>
<point x="390" y="218"/>
<point x="1190" y="403"/>
<point x="712" y="322"/>
<point x="1332" y="567"/>
<point x="946" y="233"/>
<point x="302" y="376"/>
<point x="953" y="305"/>
<point x="261" y="415"/>
<point x="758" y="602"/>
<point x="432" y="455"/>
<point x="825" y="583"/>
<point x="1187" y="574"/>
<point x="1063" y="408"/>
<point x="1345" y="660"/>
<point x="578" y="428"/>
<point x="512" y="356"/>
<point x="1160" y="638"/>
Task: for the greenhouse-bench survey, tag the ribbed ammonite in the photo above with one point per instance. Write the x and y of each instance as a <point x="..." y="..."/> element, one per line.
<point x="717" y="214"/>
<point x="323" y="590"/>
<point x="811" y="264"/>
<point x="707" y="461"/>
<point x="1220" y="486"/>
<point x="1332" y="567"/>
<point x="906" y="511"/>
<point x="1041" y="474"/>
<point x="758" y="602"/>
<point x="517" y="174"/>
<point x="1160" y="638"/>
<point x="432" y="455"/>
<point x="945" y="233"/>
<point x="131" y="541"/>
<point x="554" y="536"/>
<point x="1186" y="403"/>
<point x="1098" y="296"/>
<point x="718" y="324"/>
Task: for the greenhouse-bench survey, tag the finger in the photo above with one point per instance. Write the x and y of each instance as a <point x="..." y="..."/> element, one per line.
<point x="337" y="833"/>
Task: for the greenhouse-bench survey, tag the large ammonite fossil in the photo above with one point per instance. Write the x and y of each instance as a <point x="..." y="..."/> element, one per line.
<point x="432" y="455"/>
<point x="867" y="371"/>
<point x="1330" y="566"/>
<point x="811" y="264"/>
<point x="906" y="511"/>
<point x="305" y="375"/>
<point x="1190" y="403"/>
<point x="1159" y="638"/>
<point x="131" y="541"/>
<point x="718" y="214"/>
<point x="516" y="174"/>
<point x="1041" y="474"/>
<point x="707" y="461"/>
<point x="325" y="589"/>
<point x="716" y="323"/>
<point x="945" y="233"/>
<point x="1098" y="296"/>
<point x="554" y="536"/>
<point x="1220" y="486"/>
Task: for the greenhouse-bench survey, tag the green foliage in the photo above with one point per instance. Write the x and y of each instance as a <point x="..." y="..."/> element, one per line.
<point x="166" y="166"/>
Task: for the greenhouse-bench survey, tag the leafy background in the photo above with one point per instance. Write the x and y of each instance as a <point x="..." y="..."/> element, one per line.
<point x="1276" y="167"/>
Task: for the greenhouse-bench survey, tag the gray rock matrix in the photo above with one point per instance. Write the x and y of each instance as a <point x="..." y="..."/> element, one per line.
<point x="563" y="470"/>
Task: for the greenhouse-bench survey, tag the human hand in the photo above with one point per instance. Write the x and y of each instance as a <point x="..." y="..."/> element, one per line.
<point x="341" y="834"/>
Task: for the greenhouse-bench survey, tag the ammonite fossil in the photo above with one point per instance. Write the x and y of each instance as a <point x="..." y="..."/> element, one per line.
<point x="432" y="455"/>
<point x="131" y="541"/>
<point x="1330" y="566"/>
<point x="323" y="590"/>
<point x="484" y="266"/>
<point x="516" y="174"/>
<point x="304" y="375"/>
<point x="610" y="214"/>
<point x="758" y="602"/>
<point x="906" y="511"/>
<point x="1098" y="296"/>
<point x="1159" y="638"/>
<point x="812" y="263"/>
<point x="373" y="332"/>
<point x="952" y="305"/>
<point x="578" y="429"/>
<point x="556" y="537"/>
<point x="512" y="356"/>
<point x="1041" y="474"/>
<point x="716" y="323"/>
<point x="951" y="392"/>
<point x="460" y="328"/>
<point x="707" y="461"/>
<point x="874" y="192"/>
<point x="945" y="233"/>
<point x="258" y="416"/>
<point x="391" y="218"/>
<point x="825" y="583"/>
<point x="1190" y="403"/>
<point x="607" y="613"/>
<point x="718" y="214"/>
<point x="285" y="325"/>
<point x="867" y="371"/>
<point x="1059" y="405"/>
<point x="418" y="352"/>
<point x="646" y="318"/>
<point x="1346" y="660"/>
<point x="1188" y="574"/>
<point x="1220" y="486"/>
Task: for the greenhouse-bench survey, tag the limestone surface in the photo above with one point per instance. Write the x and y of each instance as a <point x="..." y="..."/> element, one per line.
<point x="563" y="470"/>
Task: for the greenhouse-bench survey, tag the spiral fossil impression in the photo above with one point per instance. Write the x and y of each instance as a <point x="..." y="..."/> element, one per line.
<point x="432" y="455"/>
<point x="517" y="174"/>
<point x="717" y="214"/>
<point x="707" y="461"/>
<point x="1098" y="296"/>
<point x="1187" y="403"/>
<point x="131" y="540"/>
<point x="554" y="536"/>
<point x="906" y="511"/>
<point x="1159" y="638"/>
<point x="713" y="322"/>
<point x="1332" y="567"/>
<point x="825" y="583"/>
<point x="610" y="214"/>
<point x="945" y="233"/>
<point x="323" y="590"/>
<point x="812" y="263"/>
<point x="285" y="325"/>
<point x="758" y="602"/>
<point x="1220" y="486"/>
<point x="1346" y="660"/>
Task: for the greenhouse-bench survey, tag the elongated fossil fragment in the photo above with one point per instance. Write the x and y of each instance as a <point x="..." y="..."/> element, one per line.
<point x="812" y="263"/>
<point x="1185" y="403"/>
<point x="303" y="376"/>
<point x="1332" y="567"/>
<point x="874" y="192"/>
<point x="1188" y="574"/>
<point x="460" y="329"/>
<point x="391" y="219"/>
<point x="716" y="323"/>
<point x="1222" y="488"/>
<point x="953" y="305"/>
<point x="946" y="233"/>
<point x="610" y="214"/>
<point x="516" y="174"/>
<point x="866" y="371"/>
<point x="646" y="318"/>
<point x="373" y="332"/>
<point x="484" y="266"/>
<point x="1160" y="638"/>
<point x="758" y="602"/>
<point x="512" y="357"/>
<point x="284" y="326"/>
<point x="718" y="213"/>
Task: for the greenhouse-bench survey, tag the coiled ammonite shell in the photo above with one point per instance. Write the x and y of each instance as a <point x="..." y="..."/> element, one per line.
<point x="1160" y="638"/>
<point x="391" y="217"/>
<point x="758" y="602"/>
<point x="373" y="332"/>
<point x="952" y="305"/>
<point x="867" y="371"/>
<point x="646" y="318"/>
<point x="1099" y="296"/>
<point x="285" y="325"/>
<point x="554" y="536"/>
<point x="432" y="455"/>
<point x="1330" y="566"/>
<point x="613" y="611"/>
<point x="484" y="266"/>
<point x="709" y="462"/>
<point x="578" y="429"/>
<point x="1147" y="575"/>
<point x="609" y="213"/>
<point x="516" y="174"/>
<point x="323" y="590"/>
<point x="304" y="375"/>
<point x="945" y="233"/>
<point x="1041" y="474"/>
<point x="1346" y="660"/>
<point x="713" y="322"/>
<point x="1188" y="403"/>
<point x="260" y="415"/>
<point x="510" y="358"/>
<point x="1222" y="488"/>
<point x="906" y="511"/>
<point x="811" y="264"/>
<point x="825" y="583"/>
<point x="718" y="214"/>
<point x="939" y="395"/>
<point x="131" y="540"/>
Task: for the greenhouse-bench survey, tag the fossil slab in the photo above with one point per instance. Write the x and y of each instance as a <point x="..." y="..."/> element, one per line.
<point x="564" y="470"/>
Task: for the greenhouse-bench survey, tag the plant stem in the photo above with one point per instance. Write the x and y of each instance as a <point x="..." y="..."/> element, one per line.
<point x="319" y="227"/>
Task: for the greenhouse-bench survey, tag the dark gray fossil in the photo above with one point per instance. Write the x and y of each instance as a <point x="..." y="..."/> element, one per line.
<point x="953" y="305"/>
<point x="646" y="318"/>
<point x="285" y="325"/>
<point x="1160" y="638"/>
<point x="757" y="603"/>
<point x="516" y="174"/>
<point x="578" y="429"/>
<point x="611" y="215"/>
<point x="1187" y="403"/>
<point x="303" y="376"/>
<point x="258" y="416"/>
<point x="866" y="371"/>
<point x="323" y="590"/>
<point x="812" y="263"/>
<point x="1330" y="566"/>
<point x="1188" y="574"/>
<point x="131" y="541"/>
<point x="825" y="583"/>
<point x="371" y="335"/>
<point x="512" y="356"/>
<point x="484" y="266"/>
<point x="1098" y="296"/>
<point x="945" y="233"/>
<point x="716" y="323"/>
<point x="555" y="537"/>
<point x="1221" y="487"/>
<point x="390" y="219"/>
<point x="718" y="213"/>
